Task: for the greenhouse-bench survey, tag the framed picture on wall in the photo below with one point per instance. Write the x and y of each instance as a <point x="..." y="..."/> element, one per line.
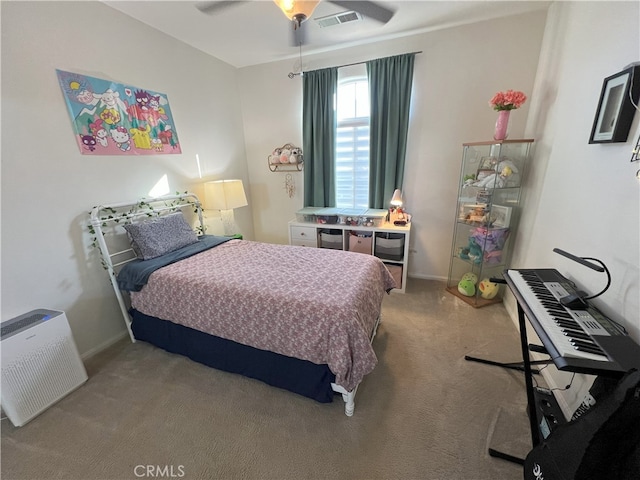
<point x="615" y="108"/>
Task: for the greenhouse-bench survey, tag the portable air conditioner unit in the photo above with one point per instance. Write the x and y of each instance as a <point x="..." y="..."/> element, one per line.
<point x="40" y="363"/>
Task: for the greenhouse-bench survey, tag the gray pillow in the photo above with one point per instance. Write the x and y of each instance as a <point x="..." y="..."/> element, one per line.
<point x="160" y="235"/>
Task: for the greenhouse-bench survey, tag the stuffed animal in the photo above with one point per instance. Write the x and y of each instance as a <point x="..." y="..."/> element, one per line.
<point x="495" y="180"/>
<point x="295" y="155"/>
<point x="504" y="170"/>
<point x="467" y="285"/>
<point x="489" y="239"/>
<point x="275" y="156"/>
<point x="284" y="155"/>
<point x="469" y="179"/>
<point x="471" y="252"/>
<point x="470" y="276"/>
<point x="478" y="214"/>
<point x="488" y="289"/>
<point x="506" y="164"/>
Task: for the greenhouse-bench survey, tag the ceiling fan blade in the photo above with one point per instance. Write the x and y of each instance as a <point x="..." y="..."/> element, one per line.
<point x="372" y="10"/>
<point x="211" y="8"/>
<point x="298" y="33"/>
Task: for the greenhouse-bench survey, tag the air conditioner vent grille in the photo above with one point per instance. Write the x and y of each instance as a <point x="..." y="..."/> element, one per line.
<point x="338" y="18"/>
<point x="348" y="17"/>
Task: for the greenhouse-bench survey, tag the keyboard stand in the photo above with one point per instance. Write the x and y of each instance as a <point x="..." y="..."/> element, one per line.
<point x="512" y="365"/>
<point x="524" y="366"/>
<point x="505" y="456"/>
<point x="531" y="400"/>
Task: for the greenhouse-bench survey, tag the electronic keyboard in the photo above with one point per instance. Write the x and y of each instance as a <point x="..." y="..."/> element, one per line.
<point x="583" y="341"/>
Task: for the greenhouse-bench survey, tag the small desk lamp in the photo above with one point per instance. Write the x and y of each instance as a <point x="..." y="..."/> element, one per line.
<point x="395" y="210"/>
<point x="225" y="195"/>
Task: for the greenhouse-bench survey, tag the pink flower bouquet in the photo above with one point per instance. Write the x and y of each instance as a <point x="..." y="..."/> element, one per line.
<point x="508" y="100"/>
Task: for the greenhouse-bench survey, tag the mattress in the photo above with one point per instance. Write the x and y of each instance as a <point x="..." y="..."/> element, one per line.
<point x="312" y="304"/>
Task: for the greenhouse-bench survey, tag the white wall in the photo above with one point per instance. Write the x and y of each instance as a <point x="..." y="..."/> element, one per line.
<point x="583" y="198"/>
<point x="48" y="187"/>
<point x="455" y="76"/>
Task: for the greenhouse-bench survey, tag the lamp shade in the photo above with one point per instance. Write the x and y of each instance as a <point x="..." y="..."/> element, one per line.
<point x="396" y="200"/>
<point x="224" y="195"/>
<point x="300" y="8"/>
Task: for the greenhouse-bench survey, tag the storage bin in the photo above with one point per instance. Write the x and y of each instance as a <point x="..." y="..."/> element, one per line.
<point x="373" y="218"/>
<point x="350" y="216"/>
<point x="330" y="219"/>
<point x="389" y="246"/>
<point x="307" y="214"/>
<point x="327" y="215"/>
<point x="396" y="273"/>
<point x="331" y="238"/>
<point x="360" y="242"/>
<point x="349" y="220"/>
<point x="303" y="217"/>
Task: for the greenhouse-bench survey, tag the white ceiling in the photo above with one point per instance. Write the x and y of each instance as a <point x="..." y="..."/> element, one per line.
<point x="255" y="32"/>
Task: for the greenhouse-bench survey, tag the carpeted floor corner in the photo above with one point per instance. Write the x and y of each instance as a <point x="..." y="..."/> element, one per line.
<point x="424" y="412"/>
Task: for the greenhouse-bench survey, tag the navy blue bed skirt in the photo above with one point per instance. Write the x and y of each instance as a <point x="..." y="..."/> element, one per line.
<point x="298" y="376"/>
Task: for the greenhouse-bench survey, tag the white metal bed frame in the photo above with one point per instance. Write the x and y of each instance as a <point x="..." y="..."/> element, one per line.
<point x="107" y="218"/>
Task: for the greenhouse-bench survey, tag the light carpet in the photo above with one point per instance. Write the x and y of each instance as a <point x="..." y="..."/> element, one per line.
<point x="423" y="413"/>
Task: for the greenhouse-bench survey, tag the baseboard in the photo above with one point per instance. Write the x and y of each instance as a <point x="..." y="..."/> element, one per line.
<point x="426" y="277"/>
<point x="104" y="345"/>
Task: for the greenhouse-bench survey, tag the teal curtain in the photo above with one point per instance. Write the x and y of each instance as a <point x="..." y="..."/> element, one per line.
<point x="390" y="81"/>
<point x="318" y="136"/>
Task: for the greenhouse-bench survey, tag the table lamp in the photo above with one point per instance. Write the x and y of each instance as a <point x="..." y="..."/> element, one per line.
<point x="395" y="210"/>
<point x="225" y="195"/>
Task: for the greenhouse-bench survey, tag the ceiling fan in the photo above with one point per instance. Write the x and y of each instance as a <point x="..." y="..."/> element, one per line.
<point x="298" y="11"/>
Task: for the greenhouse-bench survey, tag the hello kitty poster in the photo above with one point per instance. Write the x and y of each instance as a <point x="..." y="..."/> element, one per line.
<point x="114" y="119"/>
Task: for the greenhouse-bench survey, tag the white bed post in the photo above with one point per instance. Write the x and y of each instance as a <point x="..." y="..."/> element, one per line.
<point x="96" y="222"/>
<point x="350" y="397"/>
<point x="349" y="402"/>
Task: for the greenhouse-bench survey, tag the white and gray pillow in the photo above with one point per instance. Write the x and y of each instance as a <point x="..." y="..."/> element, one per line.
<point x="159" y="235"/>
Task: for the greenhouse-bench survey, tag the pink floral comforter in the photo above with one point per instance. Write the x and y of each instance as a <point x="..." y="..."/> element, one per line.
<point x="309" y="303"/>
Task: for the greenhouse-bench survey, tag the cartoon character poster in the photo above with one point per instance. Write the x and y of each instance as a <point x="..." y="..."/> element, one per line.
<point x="114" y="119"/>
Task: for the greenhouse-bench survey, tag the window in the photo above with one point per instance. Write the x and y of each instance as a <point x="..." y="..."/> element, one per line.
<point x="352" y="143"/>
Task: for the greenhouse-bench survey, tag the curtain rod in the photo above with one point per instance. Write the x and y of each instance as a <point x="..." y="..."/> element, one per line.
<point x="293" y="75"/>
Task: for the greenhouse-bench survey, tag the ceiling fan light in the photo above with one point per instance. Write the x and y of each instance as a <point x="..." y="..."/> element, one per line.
<point x="297" y="8"/>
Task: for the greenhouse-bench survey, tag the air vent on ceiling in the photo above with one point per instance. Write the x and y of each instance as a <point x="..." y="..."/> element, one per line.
<point x="338" y="18"/>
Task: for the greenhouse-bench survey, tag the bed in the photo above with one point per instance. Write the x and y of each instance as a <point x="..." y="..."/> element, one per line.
<point x="298" y="318"/>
